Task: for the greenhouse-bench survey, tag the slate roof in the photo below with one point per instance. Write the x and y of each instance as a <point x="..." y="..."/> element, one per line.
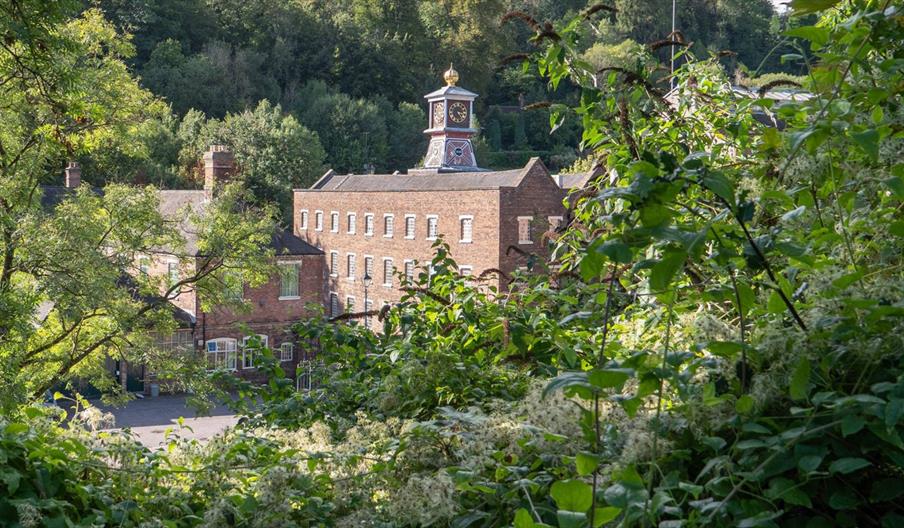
<point x="451" y="91"/>
<point x="445" y="181"/>
<point x="573" y="180"/>
<point x="284" y="242"/>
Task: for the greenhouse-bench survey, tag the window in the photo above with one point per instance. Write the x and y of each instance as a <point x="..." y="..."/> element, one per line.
<point x="368" y="306"/>
<point x="387" y="272"/>
<point x="144" y="265"/>
<point x="305" y="371"/>
<point x="369" y="224"/>
<point x="318" y="221"/>
<point x="524" y="229"/>
<point x="335" y="309"/>
<point x="467" y="228"/>
<point x="334" y="222"/>
<point x="349" y="304"/>
<point x="221" y="354"/>
<point x="409" y="226"/>
<point x="554" y="222"/>
<point x="352" y="221"/>
<point x="409" y="270"/>
<point x="235" y="287"/>
<point x="288" y="279"/>
<point x="351" y="266"/>
<point x="172" y="272"/>
<point x="303" y="219"/>
<point x="432" y="227"/>
<point x="369" y="266"/>
<point x="286" y="352"/>
<point x="388" y="221"/>
<point x="334" y="263"/>
<point x="466" y="271"/>
<point x="250" y="347"/>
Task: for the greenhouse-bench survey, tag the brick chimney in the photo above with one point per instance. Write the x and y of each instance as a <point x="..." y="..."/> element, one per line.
<point x="73" y="175"/>
<point x="218" y="166"/>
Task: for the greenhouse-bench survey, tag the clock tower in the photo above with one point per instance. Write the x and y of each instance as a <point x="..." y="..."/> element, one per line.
<point x="450" y="127"/>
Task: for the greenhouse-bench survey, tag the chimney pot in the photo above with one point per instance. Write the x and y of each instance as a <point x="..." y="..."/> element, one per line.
<point x="73" y="175"/>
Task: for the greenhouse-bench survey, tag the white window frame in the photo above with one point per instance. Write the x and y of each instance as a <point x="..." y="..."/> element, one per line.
<point x="388" y="275"/>
<point x="318" y="220"/>
<point x="338" y="307"/>
<point x="526" y="241"/>
<point x="350" y="302"/>
<point x="352" y="220"/>
<point x="334" y="226"/>
<point x="297" y="265"/>
<point x="372" y="270"/>
<point x="144" y="264"/>
<point x="351" y="258"/>
<point x="555" y="221"/>
<point x="405" y="269"/>
<point x="248" y="352"/>
<point x="303" y="373"/>
<point x="170" y="280"/>
<point x="370" y="217"/>
<point x="413" y="218"/>
<point x="225" y="352"/>
<point x="461" y="230"/>
<point x="435" y="219"/>
<point x="368" y="307"/>
<point x="284" y="348"/>
<point x="334" y="271"/>
<point x="469" y="269"/>
<point x="388" y="233"/>
<point x="303" y="219"/>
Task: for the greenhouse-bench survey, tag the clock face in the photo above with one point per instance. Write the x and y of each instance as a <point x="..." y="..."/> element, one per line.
<point x="438" y="114"/>
<point x="458" y="112"/>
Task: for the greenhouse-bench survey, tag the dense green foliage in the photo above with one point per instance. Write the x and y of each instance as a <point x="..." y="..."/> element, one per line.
<point x="719" y="344"/>
<point x="355" y="71"/>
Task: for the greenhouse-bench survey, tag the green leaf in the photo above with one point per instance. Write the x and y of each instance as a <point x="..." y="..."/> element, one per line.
<point x="804" y="7"/>
<point x="775" y="304"/>
<point x="591" y="265"/>
<point x="571" y="519"/>
<point x="523" y="519"/>
<point x="896" y="184"/>
<point x="586" y="463"/>
<point x="897" y="228"/>
<point x="868" y="140"/>
<point x="663" y="271"/>
<point x="565" y="380"/>
<point x="616" y="251"/>
<point x="787" y="490"/>
<point x="809" y="463"/>
<point x="609" y="378"/>
<point x="848" y="465"/>
<point x="846" y="280"/>
<point x="817" y="35"/>
<point x="720" y="185"/>
<point x="844" y="499"/>
<point x="16" y="428"/>
<point x="800" y="379"/>
<point x="744" y="404"/>
<point x="572" y="495"/>
<point x="602" y="516"/>
<point x="893" y="411"/>
<point x="850" y="424"/>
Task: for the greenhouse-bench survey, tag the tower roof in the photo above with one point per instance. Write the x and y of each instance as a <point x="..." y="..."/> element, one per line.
<point x="455" y="91"/>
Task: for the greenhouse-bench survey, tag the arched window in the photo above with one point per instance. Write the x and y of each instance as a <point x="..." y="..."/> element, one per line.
<point x="221" y="353"/>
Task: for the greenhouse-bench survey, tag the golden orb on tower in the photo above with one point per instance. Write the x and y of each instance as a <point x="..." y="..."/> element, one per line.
<point x="451" y="76"/>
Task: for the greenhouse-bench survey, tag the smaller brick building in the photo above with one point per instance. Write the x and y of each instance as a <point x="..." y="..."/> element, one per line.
<point x="377" y="224"/>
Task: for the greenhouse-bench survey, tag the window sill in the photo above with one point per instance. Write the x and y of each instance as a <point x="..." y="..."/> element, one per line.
<point x="350" y="233"/>
<point x="368" y="234"/>
<point x="387" y="236"/>
<point x="387" y="285"/>
<point x="526" y="242"/>
<point x="290" y="298"/>
<point x="409" y="237"/>
<point x="432" y="238"/>
<point x="334" y="275"/>
<point x="465" y="241"/>
<point x="350" y="279"/>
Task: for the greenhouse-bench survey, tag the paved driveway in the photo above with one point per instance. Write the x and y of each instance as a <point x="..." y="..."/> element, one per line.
<point x="149" y="418"/>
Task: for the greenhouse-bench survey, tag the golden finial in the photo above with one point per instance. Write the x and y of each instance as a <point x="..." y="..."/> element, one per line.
<point x="451" y="76"/>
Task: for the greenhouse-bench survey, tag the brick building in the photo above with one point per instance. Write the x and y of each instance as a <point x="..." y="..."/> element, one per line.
<point x="220" y="335"/>
<point x="379" y="224"/>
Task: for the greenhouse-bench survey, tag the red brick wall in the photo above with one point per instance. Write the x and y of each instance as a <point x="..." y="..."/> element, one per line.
<point x="537" y="196"/>
<point x="481" y="253"/>
<point x="268" y="315"/>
